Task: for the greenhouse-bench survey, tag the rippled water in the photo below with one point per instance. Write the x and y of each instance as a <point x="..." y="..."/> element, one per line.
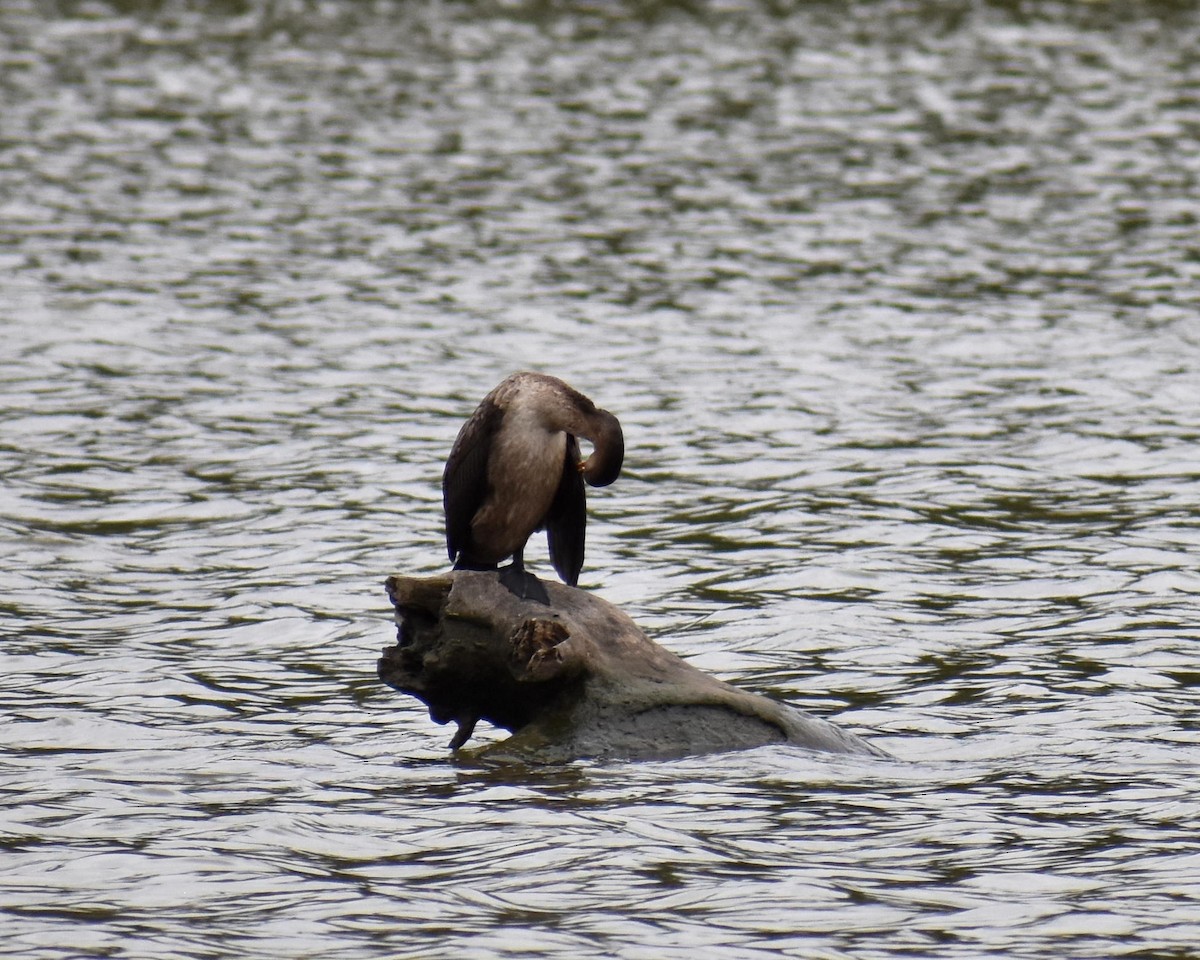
<point x="899" y="307"/>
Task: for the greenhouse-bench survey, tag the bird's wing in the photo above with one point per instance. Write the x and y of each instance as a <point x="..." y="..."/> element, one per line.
<point x="465" y="480"/>
<point x="566" y="520"/>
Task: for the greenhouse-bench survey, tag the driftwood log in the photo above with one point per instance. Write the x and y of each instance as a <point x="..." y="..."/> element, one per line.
<point x="574" y="679"/>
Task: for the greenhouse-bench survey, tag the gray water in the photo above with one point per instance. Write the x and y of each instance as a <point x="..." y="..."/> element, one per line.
<point x="899" y="305"/>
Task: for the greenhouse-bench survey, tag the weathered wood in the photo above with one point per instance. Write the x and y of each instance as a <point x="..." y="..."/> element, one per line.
<point x="577" y="678"/>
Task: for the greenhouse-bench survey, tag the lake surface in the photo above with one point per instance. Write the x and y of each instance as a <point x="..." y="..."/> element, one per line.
<point x="899" y="304"/>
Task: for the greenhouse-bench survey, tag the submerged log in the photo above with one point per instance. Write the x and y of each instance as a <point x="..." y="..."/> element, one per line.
<point x="577" y="678"/>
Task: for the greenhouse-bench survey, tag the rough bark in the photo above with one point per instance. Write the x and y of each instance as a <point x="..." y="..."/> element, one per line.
<point x="574" y="679"/>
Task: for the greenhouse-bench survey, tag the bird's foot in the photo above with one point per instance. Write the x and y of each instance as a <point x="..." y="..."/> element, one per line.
<point x="523" y="584"/>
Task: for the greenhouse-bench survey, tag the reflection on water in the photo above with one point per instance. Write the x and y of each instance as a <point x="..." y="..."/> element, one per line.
<point x="898" y="309"/>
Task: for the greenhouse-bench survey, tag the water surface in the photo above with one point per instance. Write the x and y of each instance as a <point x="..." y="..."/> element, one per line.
<point x="899" y="308"/>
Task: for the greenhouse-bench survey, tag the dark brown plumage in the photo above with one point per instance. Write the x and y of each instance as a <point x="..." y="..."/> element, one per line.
<point x="515" y="469"/>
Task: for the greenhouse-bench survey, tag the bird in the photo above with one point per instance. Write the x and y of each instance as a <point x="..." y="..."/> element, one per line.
<point x="515" y="467"/>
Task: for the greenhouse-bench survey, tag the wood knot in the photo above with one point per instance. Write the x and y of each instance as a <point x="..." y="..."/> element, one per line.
<point x="534" y="649"/>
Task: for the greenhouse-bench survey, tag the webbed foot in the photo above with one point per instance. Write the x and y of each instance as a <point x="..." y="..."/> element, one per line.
<point x="523" y="584"/>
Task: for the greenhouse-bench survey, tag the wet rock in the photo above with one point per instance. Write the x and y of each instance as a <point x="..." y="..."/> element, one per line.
<point x="577" y="678"/>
